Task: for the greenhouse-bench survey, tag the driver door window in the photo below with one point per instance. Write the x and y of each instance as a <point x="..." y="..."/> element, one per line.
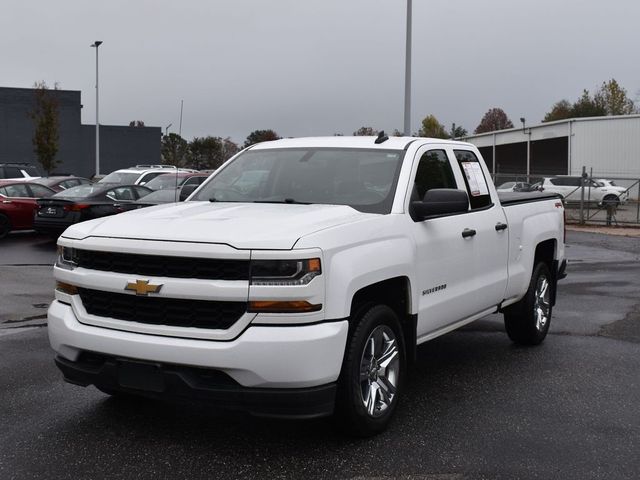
<point x="434" y="171"/>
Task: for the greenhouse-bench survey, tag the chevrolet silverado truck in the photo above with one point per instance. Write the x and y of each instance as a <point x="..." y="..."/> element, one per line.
<point x="299" y="279"/>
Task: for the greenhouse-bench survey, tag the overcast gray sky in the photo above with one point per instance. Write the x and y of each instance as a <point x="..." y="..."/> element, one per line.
<point x="318" y="67"/>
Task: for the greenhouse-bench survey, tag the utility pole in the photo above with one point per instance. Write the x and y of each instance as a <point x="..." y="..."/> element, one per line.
<point x="95" y="45"/>
<point x="407" y="75"/>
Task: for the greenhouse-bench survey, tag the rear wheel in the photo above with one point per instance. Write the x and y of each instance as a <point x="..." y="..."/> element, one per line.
<point x="610" y="200"/>
<point x="527" y="322"/>
<point x="5" y="225"/>
<point x="372" y="372"/>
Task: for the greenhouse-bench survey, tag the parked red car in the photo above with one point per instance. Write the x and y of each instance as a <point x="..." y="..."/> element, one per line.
<point x="18" y="204"/>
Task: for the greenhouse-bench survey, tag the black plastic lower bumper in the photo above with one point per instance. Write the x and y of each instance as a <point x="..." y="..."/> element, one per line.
<point x="176" y="382"/>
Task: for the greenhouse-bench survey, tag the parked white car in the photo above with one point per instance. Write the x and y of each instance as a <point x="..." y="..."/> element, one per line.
<point x="18" y="171"/>
<point x="141" y="174"/>
<point x="570" y="189"/>
<point x="610" y="184"/>
<point x="514" y="187"/>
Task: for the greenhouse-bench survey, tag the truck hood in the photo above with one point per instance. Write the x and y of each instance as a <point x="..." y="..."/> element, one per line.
<point x="240" y="225"/>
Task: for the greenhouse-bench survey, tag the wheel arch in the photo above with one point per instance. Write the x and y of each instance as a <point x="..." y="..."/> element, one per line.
<point x="546" y="252"/>
<point x="396" y="294"/>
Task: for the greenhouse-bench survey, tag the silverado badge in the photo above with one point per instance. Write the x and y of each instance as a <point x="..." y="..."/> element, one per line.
<point x="142" y="287"/>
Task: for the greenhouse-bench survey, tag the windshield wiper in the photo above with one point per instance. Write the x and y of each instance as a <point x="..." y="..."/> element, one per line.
<point x="286" y="200"/>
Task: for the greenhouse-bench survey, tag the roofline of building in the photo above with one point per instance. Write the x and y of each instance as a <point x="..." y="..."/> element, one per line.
<point x="31" y="89"/>
<point x="556" y="122"/>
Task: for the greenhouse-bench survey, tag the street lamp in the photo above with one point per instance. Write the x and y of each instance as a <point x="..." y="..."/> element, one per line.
<point x="166" y="129"/>
<point x="95" y="45"/>
<point x="407" y="75"/>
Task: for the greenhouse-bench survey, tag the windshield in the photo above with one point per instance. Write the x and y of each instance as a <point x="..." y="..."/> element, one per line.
<point x="121" y="178"/>
<point x="166" y="180"/>
<point x="364" y="179"/>
<point x="80" y="191"/>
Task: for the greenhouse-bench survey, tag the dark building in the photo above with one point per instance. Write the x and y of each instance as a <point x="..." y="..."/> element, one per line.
<point x="120" y="146"/>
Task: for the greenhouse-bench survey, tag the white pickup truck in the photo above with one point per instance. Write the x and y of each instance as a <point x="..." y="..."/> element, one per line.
<point x="300" y="277"/>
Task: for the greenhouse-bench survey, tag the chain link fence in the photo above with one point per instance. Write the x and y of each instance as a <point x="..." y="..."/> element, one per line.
<point x="588" y="199"/>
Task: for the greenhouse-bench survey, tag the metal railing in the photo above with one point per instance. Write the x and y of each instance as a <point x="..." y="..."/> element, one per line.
<point x="583" y="204"/>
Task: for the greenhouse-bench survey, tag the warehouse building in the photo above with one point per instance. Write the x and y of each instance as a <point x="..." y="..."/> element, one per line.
<point x="120" y="146"/>
<point x="607" y="146"/>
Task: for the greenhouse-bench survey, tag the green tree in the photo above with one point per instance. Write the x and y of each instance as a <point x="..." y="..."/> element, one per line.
<point x="45" y="118"/>
<point x="210" y="152"/>
<point x="432" y="128"/>
<point x="494" y="119"/>
<point x="174" y="150"/>
<point x="457" y="131"/>
<point x="559" y="111"/>
<point x="613" y="98"/>
<point x="588" y="106"/>
<point x="365" y="132"/>
<point x="258" y="136"/>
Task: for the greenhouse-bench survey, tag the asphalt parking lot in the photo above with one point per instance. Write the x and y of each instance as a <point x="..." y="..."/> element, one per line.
<point x="475" y="405"/>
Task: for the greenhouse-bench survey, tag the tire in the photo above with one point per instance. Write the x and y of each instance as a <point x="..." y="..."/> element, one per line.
<point x="372" y="372"/>
<point x="610" y="200"/>
<point x="527" y="322"/>
<point x="5" y="225"/>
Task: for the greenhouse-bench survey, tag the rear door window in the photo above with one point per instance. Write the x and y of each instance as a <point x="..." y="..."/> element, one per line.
<point x="124" y="193"/>
<point x="17" y="191"/>
<point x="39" y="191"/>
<point x="474" y="179"/>
<point x="147" y="177"/>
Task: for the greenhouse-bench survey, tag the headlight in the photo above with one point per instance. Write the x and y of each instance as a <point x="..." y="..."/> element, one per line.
<point x="67" y="258"/>
<point x="284" y="272"/>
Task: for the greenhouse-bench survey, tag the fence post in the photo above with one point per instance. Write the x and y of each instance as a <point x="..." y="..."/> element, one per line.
<point x="584" y="174"/>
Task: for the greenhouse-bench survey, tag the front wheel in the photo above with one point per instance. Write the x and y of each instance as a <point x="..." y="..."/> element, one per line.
<point x="527" y="321"/>
<point x="372" y="372"/>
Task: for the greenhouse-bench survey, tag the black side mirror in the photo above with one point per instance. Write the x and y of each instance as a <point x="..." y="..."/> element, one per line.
<point x="439" y="202"/>
<point x="187" y="190"/>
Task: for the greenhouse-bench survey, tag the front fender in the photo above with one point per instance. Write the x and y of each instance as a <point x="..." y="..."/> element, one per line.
<point x="353" y="268"/>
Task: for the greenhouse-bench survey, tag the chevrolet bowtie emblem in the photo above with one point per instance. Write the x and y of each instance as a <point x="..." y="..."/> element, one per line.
<point x="142" y="287"/>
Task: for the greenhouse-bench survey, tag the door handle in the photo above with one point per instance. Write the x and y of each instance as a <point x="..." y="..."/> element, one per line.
<point x="468" y="232"/>
<point x="7" y="201"/>
<point x="501" y="226"/>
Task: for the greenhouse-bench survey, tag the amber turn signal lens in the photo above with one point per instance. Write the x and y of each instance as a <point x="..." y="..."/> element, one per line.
<point x="314" y="264"/>
<point x="295" y="306"/>
<point x="66" y="288"/>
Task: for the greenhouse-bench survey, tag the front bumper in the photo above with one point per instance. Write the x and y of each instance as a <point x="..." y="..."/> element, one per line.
<point x="181" y="382"/>
<point x="289" y="357"/>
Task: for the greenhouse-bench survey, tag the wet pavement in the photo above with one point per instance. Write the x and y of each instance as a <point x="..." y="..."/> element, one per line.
<point x="475" y="406"/>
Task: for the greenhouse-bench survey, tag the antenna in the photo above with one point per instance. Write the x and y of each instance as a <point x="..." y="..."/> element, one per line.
<point x="381" y="137"/>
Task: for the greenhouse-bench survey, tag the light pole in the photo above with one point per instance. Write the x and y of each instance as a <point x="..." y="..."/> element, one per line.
<point x="166" y="129"/>
<point x="95" y="45"/>
<point x="407" y="75"/>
